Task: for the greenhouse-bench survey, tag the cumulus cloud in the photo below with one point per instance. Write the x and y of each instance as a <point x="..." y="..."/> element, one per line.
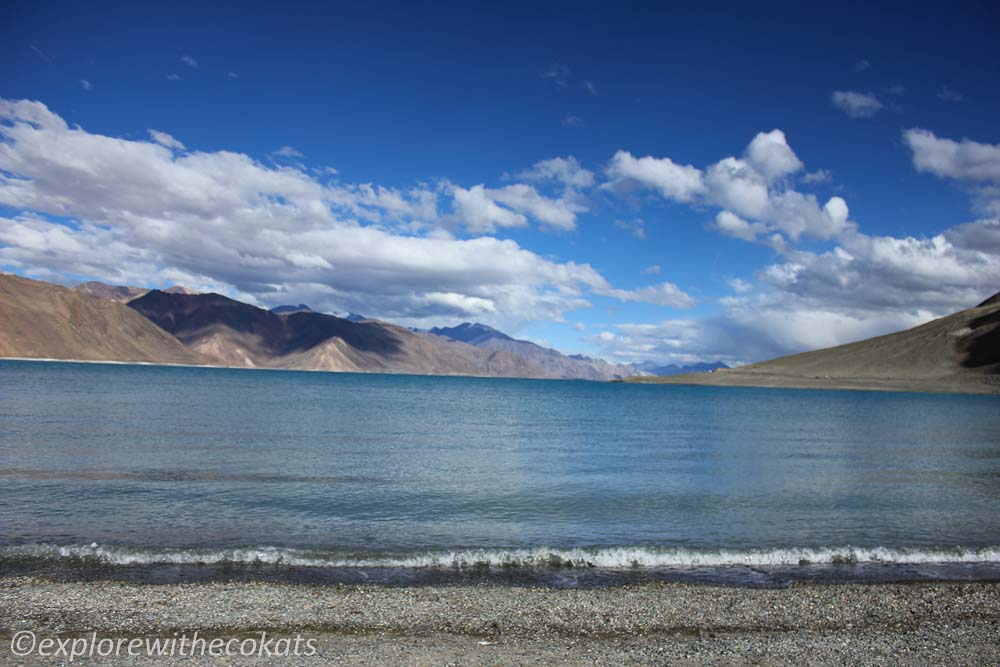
<point x="652" y="270"/>
<point x="678" y="182"/>
<point x="964" y="161"/>
<point x="855" y="104"/>
<point x="771" y="156"/>
<point x="484" y="210"/>
<point x="189" y="61"/>
<point x="862" y="286"/>
<point x="565" y="170"/>
<point x="147" y="212"/>
<point x="753" y="191"/>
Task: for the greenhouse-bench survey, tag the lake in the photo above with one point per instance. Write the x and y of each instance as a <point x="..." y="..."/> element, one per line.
<point x="186" y="473"/>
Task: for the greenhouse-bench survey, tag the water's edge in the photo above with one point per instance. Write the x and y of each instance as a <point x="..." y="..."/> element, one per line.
<point x="555" y="568"/>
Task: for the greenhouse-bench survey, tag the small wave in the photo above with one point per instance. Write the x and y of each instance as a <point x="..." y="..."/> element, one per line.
<point x="608" y="557"/>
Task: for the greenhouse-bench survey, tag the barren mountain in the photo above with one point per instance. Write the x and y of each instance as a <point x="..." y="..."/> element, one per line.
<point x="957" y="353"/>
<point x="238" y="334"/>
<point x="122" y="293"/>
<point x="42" y="320"/>
<point x="552" y="362"/>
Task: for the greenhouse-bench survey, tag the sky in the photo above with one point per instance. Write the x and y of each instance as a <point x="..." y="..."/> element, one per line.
<point x="638" y="182"/>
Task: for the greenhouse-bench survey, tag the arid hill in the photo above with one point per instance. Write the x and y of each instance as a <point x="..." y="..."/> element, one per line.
<point x="957" y="353"/>
<point x="122" y="293"/>
<point x="42" y="320"/>
<point x="239" y="334"/>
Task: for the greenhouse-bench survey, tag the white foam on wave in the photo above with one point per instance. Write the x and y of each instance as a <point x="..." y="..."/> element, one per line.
<point x="608" y="557"/>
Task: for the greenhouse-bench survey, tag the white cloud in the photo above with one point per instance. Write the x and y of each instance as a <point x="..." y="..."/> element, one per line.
<point x="579" y="326"/>
<point x="855" y="104"/>
<point x="86" y="85"/>
<point x="739" y="285"/>
<point x="288" y="151"/>
<point x="166" y="140"/>
<point x="140" y="212"/>
<point x="733" y="225"/>
<point x="232" y="75"/>
<point x="559" y="214"/>
<point x="963" y="160"/>
<point x="818" y="176"/>
<point x="753" y="191"/>
<point x="665" y="294"/>
<point x="863" y="286"/>
<point x="478" y="210"/>
<point x="678" y="182"/>
<point x="173" y="77"/>
<point x="771" y="156"/>
<point x="734" y="185"/>
<point x="565" y="170"/>
<point x="653" y="270"/>
<point x="591" y="87"/>
<point x="189" y="61"/>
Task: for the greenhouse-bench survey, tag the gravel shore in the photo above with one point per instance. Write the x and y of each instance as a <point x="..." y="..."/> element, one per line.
<point x="939" y="623"/>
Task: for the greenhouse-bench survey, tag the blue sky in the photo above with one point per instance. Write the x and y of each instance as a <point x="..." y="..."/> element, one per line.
<point x="613" y="255"/>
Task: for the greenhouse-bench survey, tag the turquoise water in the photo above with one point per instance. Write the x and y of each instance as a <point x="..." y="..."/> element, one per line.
<point x="139" y="466"/>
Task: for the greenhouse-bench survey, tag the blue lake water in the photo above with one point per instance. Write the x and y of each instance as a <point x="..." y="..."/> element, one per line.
<point x="123" y="466"/>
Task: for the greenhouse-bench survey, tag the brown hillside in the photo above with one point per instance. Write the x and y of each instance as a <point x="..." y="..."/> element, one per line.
<point x="957" y="353"/>
<point x="42" y="320"/>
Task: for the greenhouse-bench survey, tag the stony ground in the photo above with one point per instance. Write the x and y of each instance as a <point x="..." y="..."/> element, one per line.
<point x="878" y="624"/>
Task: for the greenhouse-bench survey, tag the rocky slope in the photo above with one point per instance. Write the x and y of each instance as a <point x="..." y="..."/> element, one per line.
<point x="42" y="320"/>
<point x="957" y="353"/>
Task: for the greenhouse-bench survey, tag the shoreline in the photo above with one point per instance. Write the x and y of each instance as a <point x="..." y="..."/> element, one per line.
<point x="732" y="378"/>
<point x="940" y="623"/>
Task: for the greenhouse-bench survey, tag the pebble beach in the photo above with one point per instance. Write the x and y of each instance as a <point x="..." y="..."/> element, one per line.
<point x="667" y="623"/>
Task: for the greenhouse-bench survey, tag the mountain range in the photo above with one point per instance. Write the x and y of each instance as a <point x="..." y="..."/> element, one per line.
<point x="98" y="322"/>
<point x="94" y="321"/>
